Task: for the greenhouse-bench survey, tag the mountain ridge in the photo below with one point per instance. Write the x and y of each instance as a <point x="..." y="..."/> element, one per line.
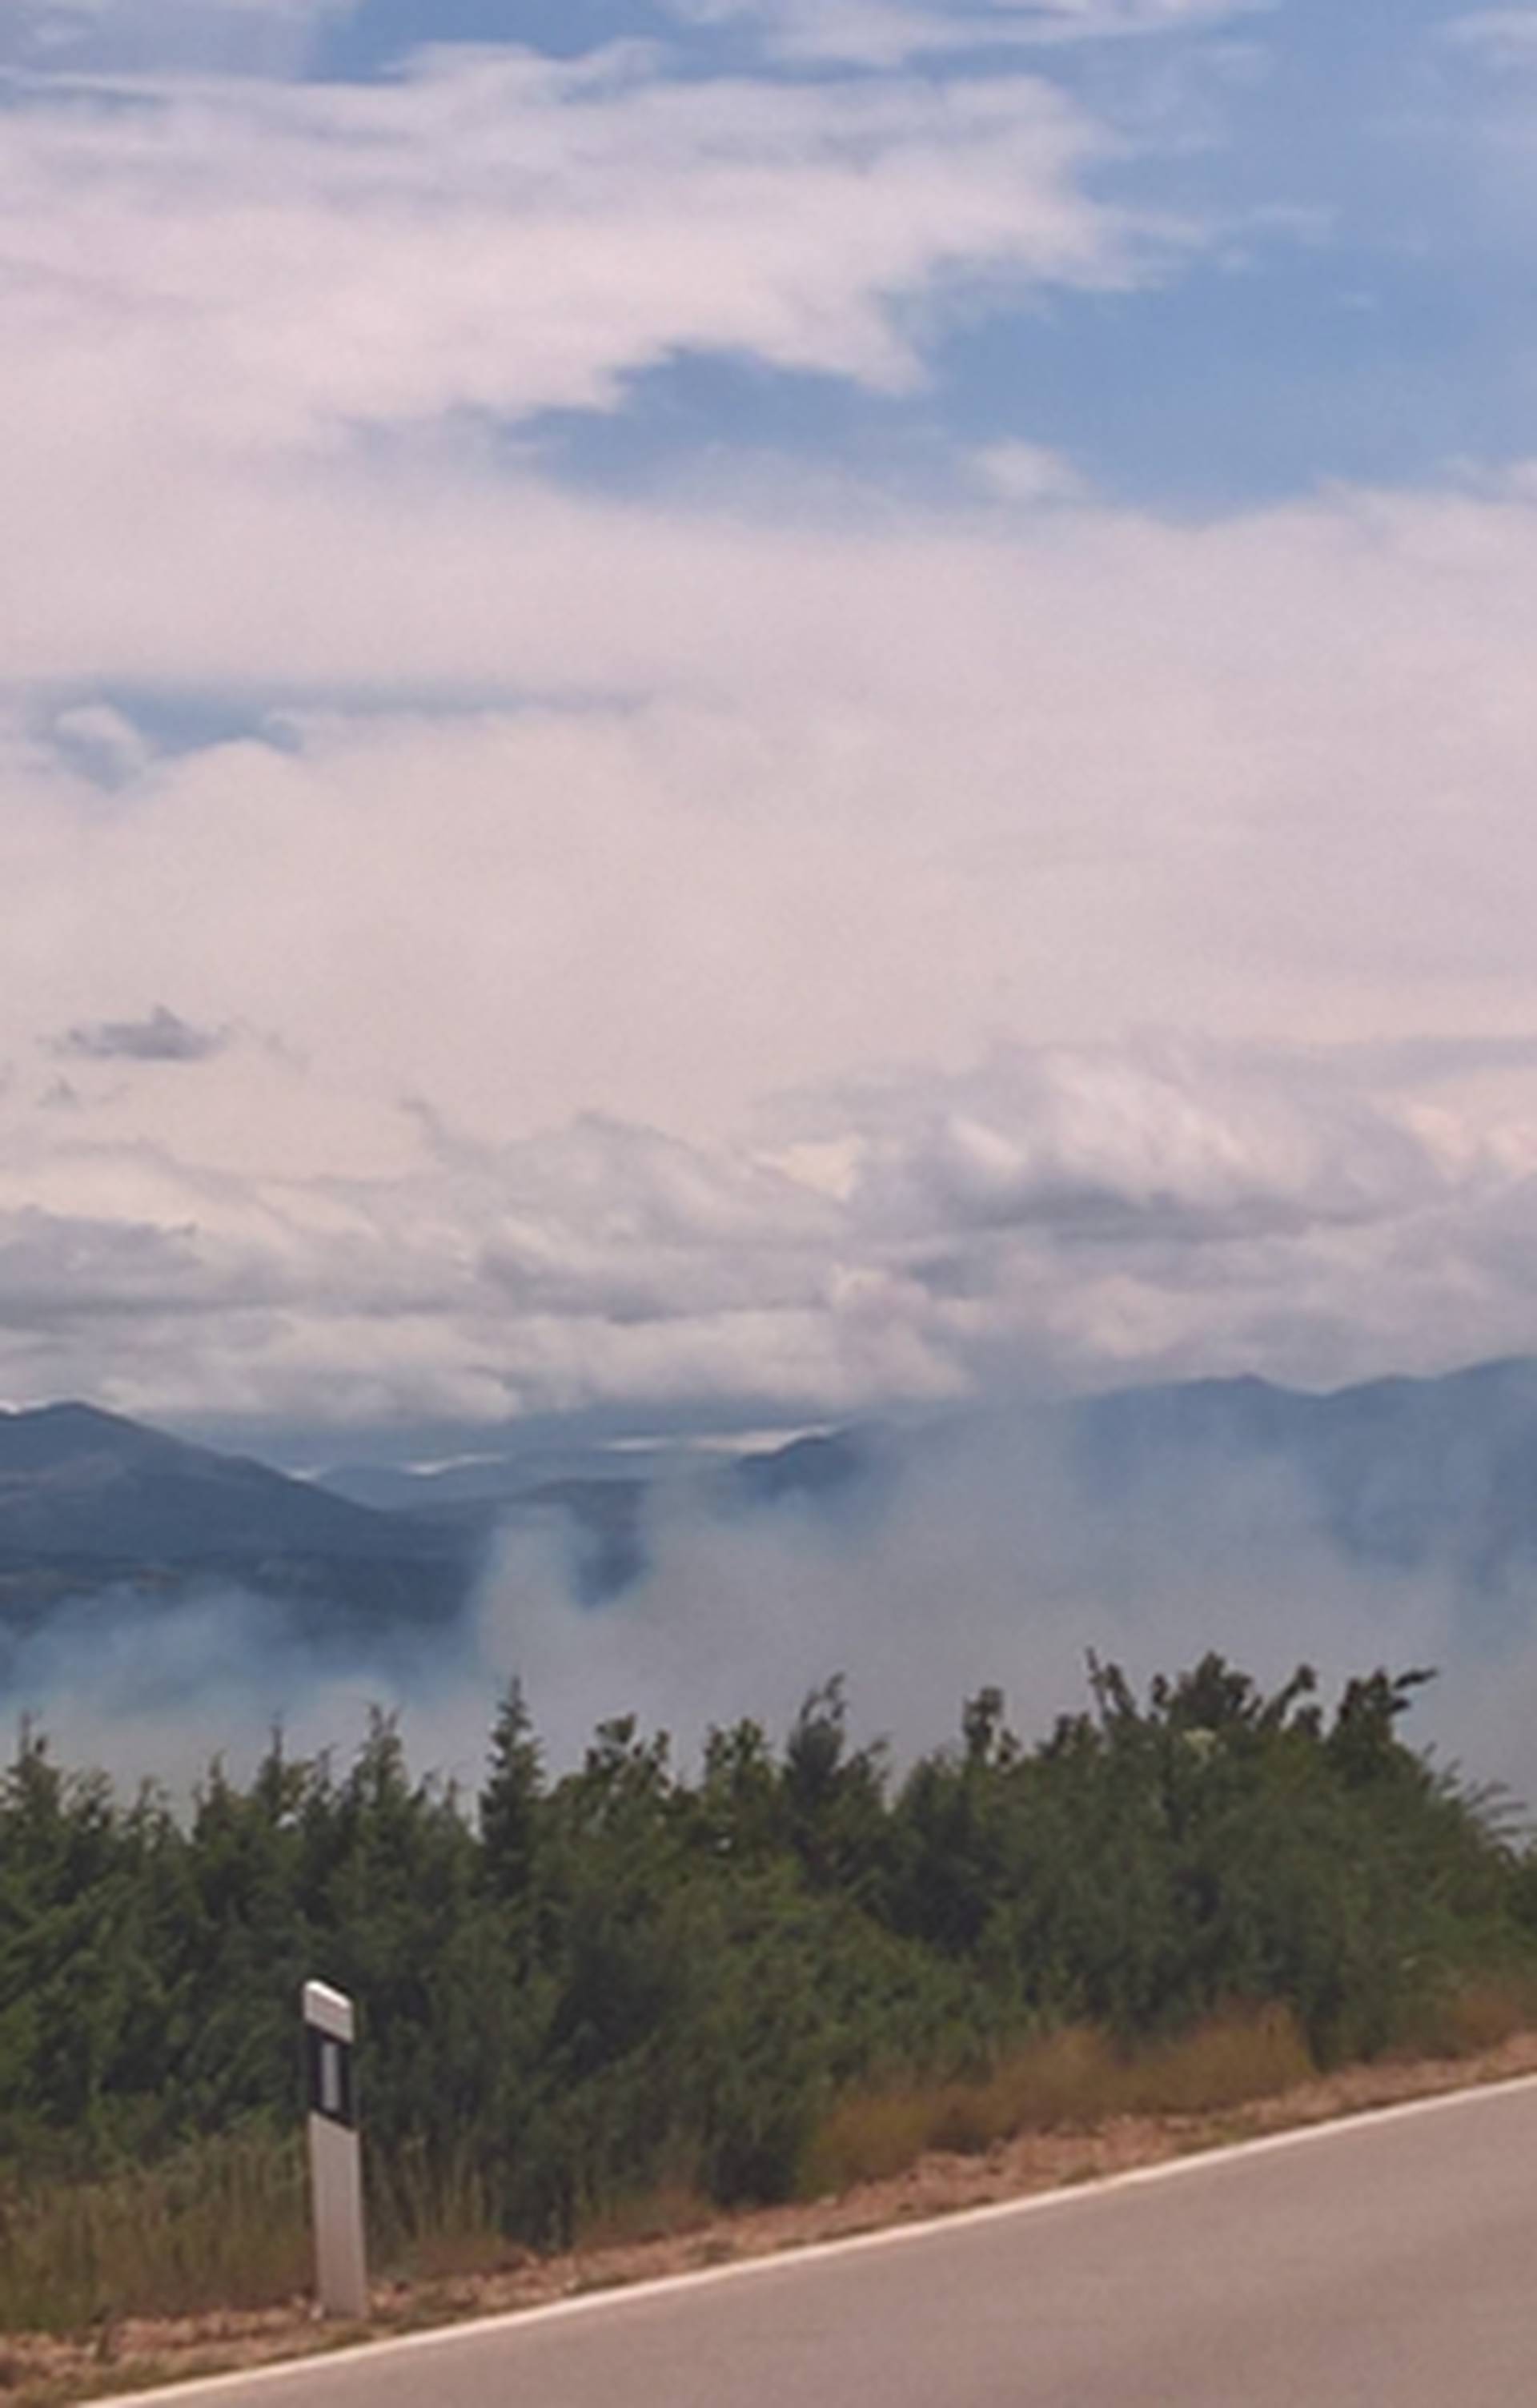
<point x="1399" y="1472"/>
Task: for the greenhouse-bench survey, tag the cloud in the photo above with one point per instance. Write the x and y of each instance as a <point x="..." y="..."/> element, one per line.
<point x="270" y="37"/>
<point x="65" y="1278"/>
<point x="247" y="266"/>
<point x="589" y="821"/>
<point x="163" y="1035"/>
<point x="876" y="792"/>
<point x="1028" y="473"/>
<point x="102" y="742"/>
<point x="1049" y="1216"/>
<point x="1168" y="1141"/>
<point x="1501" y="37"/>
<point x="859" y="790"/>
<point x="889" y="32"/>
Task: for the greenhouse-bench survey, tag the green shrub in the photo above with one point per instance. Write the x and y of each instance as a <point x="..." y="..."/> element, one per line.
<point x="626" y="1987"/>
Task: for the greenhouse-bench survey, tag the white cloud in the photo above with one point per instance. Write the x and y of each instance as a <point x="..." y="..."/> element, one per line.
<point x="245" y="266"/>
<point x="888" y="33"/>
<point x="1073" y="1214"/>
<point x="1028" y="473"/>
<point x="269" y="38"/>
<point x="865" y="793"/>
<point x="861" y="792"/>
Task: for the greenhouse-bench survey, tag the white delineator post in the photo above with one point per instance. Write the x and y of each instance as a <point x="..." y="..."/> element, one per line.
<point x="336" y="2168"/>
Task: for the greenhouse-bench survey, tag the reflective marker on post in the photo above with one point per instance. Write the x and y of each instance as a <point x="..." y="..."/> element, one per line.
<point x="336" y="2171"/>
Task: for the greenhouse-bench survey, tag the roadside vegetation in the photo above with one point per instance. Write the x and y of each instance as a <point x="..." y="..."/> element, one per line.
<point x="626" y="1995"/>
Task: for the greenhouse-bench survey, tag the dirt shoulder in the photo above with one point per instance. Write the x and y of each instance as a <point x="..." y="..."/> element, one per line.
<point x="38" y="2371"/>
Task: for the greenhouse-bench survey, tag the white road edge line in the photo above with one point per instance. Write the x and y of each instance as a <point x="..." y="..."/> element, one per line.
<point x="785" y="2262"/>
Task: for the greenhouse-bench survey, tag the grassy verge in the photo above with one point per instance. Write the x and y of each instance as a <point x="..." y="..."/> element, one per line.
<point x="220" y="2231"/>
<point x="222" y="2222"/>
<point x="664" y="2238"/>
<point x="224" y="2225"/>
<point x="1077" y="2079"/>
<point x="1074" y="2079"/>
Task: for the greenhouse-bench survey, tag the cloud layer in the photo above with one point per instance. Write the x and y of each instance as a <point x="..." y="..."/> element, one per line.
<point x="693" y="936"/>
<point x="1052" y="1215"/>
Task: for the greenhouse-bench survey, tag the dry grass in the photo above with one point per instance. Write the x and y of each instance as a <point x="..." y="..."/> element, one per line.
<point x="1475" y="2016"/>
<point x="224" y="2222"/>
<point x="1070" y="2080"/>
<point x="426" y="2222"/>
<point x="660" y="2213"/>
<point x="224" y="2225"/>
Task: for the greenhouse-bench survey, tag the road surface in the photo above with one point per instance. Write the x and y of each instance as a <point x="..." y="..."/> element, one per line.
<point x="1391" y="2261"/>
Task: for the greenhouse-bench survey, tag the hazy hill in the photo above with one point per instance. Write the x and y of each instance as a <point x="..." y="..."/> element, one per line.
<point x="1402" y="1474"/>
<point x="74" y="1481"/>
<point x="90" y="1501"/>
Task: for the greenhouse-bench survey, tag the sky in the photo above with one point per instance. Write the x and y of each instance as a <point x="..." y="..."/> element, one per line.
<point x="726" y="713"/>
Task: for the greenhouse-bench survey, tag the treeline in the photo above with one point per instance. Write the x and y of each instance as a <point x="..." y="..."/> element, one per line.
<point x="574" y="1989"/>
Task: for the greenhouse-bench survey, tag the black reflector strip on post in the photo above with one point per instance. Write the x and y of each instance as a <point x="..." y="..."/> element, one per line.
<point x="331" y="2087"/>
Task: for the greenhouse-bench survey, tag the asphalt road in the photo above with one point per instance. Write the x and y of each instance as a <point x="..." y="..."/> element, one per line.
<point x="1393" y="2260"/>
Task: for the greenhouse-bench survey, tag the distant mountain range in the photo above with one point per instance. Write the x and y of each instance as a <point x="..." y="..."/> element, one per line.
<point x="1400" y="1474"/>
<point x="1397" y="1473"/>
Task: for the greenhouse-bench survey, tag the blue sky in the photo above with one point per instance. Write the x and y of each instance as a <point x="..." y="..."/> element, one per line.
<point x="799" y="708"/>
<point x="1353" y="301"/>
<point x="1353" y="326"/>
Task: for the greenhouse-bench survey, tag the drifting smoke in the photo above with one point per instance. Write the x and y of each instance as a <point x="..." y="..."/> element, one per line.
<point x="984" y="1562"/>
